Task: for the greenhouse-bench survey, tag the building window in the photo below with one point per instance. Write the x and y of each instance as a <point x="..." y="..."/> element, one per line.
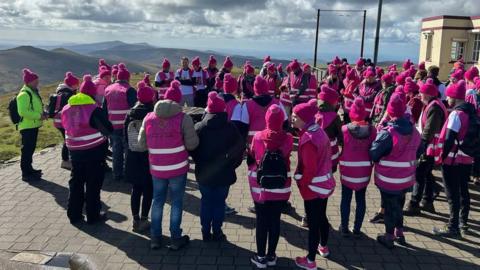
<point x="476" y="48"/>
<point x="458" y="49"/>
<point x="429" y="48"/>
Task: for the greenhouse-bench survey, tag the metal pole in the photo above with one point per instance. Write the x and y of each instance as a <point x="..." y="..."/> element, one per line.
<point x="377" y="32"/>
<point x="316" y="39"/>
<point x="363" y="32"/>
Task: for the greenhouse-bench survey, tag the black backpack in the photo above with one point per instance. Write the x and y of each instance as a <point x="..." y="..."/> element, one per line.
<point x="471" y="142"/>
<point x="13" y="109"/>
<point x="272" y="171"/>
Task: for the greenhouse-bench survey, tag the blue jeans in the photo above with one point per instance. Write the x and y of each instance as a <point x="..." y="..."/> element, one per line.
<point x="347" y="194"/>
<point x="118" y="149"/>
<point x="212" y="211"/>
<point x="177" y="192"/>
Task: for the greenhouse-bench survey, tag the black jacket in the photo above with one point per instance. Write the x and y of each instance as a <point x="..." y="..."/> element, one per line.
<point x="220" y="151"/>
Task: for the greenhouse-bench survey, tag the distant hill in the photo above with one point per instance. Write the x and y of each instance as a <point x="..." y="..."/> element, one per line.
<point x="50" y="65"/>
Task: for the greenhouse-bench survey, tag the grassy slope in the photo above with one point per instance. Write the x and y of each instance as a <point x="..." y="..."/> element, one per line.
<point x="48" y="136"/>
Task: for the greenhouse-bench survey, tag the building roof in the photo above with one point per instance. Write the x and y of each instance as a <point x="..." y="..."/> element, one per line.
<point x="442" y="17"/>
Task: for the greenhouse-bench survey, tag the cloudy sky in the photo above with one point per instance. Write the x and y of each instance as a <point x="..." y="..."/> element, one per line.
<point x="284" y="28"/>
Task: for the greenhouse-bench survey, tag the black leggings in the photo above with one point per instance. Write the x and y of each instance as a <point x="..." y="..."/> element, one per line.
<point x="268" y="226"/>
<point x="138" y="173"/>
<point x="65" y="153"/>
<point x="318" y="226"/>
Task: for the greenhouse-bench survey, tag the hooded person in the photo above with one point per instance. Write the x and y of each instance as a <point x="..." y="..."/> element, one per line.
<point x="246" y="81"/>
<point x="86" y="131"/>
<point x="163" y="78"/>
<point x="102" y="81"/>
<point x="394" y="153"/>
<point x="230" y="91"/>
<point x="219" y="153"/>
<point x="414" y="103"/>
<point x="187" y="82"/>
<point x="137" y="166"/>
<point x="57" y="101"/>
<point x="368" y="89"/>
<point x="252" y="115"/>
<point x="31" y="116"/>
<point x="383" y="97"/>
<point x="269" y="200"/>
<point x="456" y="164"/>
<point x="355" y="166"/>
<point x="330" y="121"/>
<point x="168" y="134"/>
<point x="430" y="125"/>
<point x="350" y="83"/>
<point x="314" y="163"/>
<point x="212" y="71"/>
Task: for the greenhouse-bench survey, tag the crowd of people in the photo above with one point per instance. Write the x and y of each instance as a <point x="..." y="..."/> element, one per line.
<point x="395" y="125"/>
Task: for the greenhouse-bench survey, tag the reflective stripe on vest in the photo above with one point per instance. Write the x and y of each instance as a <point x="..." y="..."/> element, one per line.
<point x="355" y="163"/>
<point x="118" y="111"/>
<point x="85" y="138"/>
<point x="368" y="109"/>
<point x="82" y="146"/>
<point x="169" y="167"/>
<point x="356" y="180"/>
<point x="334" y="142"/>
<point x="335" y="156"/>
<point x="459" y="153"/>
<point x="317" y="179"/>
<point x="167" y="150"/>
<point x="285" y="100"/>
<point x="253" y="174"/>
<point x="394" y="180"/>
<point x="319" y="190"/>
<point x="252" y="133"/>
<point x="117" y="122"/>
<point x="275" y="190"/>
<point x="397" y="164"/>
<point x="57" y="120"/>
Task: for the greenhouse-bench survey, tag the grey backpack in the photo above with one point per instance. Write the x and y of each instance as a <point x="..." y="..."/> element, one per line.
<point x="133" y="130"/>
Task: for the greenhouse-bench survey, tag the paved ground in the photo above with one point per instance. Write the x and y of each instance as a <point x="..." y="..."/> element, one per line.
<point x="33" y="218"/>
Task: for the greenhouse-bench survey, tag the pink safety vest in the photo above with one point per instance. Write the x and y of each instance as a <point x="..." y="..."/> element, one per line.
<point x="117" y="105"/>
<point x="378" y="105"/>
<point x="355" y="164"/>
<point x="323" y="184"/>
<point x="166" y="80"/>
<point x="57" y="119"/>
<point x="258" y="193"/>
<point x="79" y="135"/>
<point x="348" y="98"/>
<point x="396" y="171"/>
<point x="272" y="84"/>
<point x="455" y="156"/>
<point x="364" y="91"/>
<point x="101" y="85"/>
<point x="231" y="104"/>
<point x="434" y="148"/>
<point x="256" y="116"/>
<point x="166" y="150"/>
<point x="285" y="99"/>
<point x="325" y="119"/>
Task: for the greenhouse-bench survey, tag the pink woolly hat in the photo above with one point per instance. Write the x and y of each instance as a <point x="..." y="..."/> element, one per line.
<point x="429" y="88"/>
<point x="104" y="72"/>
<point x="457" y="74"/>
<point x="280" y="68"/>
<point x="410" y="86"/>
<point x="306" y="111"/>
<point x="471" y="73"/>
<point x="328" y="95"/>
<point x="29" y="76"/>
<point x="88" y="87"/>
<point x="271" y="67"/>
<point x="173" y="92"/>
<point x="406" y="65"/>
<point x="456" y="90"/>
<point x="267" y="59"/>
<point x="249" y="69"/>
<point x="369" y="73"/>
<point x="392" y="67"/>
<point x="351" y="74"/>
<point x="212" y="60"/>
<point x="196" y="61"/>
<point x="357" y="111"/>
<point x="306" y="66"/>
<point x="396" y="107"/>
<point x="70" y="80"/>
<point x="400" y="79"/>
<point x="145" y="93"/>
<point x="102" y="63"/>
<point x="379" y="71"/>
<point x="294" y="64"/>
<point x="360" y="62"/>
<point x="230" y="85"/>
<point x="215" y="104"/>
<point x="260" y="86"/>
<point x="421" y="66"/>
<point x="123" y="73"/>
<point x="228" y="62"/>
<point x="114" y="70"/>
<point x="146" y="80"/>
<point x="388" y="78"/>
<point x="274" y="118"/>
<point x="336" y="61"/>
<point x="165" y="63"/>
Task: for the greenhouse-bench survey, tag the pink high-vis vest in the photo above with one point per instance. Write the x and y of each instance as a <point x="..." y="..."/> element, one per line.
<point x="166" y="78"/>
<point x="323" y="184"/>
<point x="272" y="84"/>
<point x="57" y="119"/>
<point x="166" y="150"/>
<point x="455" y="156"/>
<point x="161" y="92"/>
<point x="231" y="104"/>
<point x="117" y="105"/>
<point x="396" y="171"/>
<point x="101" y="85"/>
<point x="434" y="148"/>
<point x="355" y="164"/>
<point x="256" y="116"/>
<point x="326" y="119"/>
<point x="79" y="135"/>
<point x="378" y="106"/>
<point x="348" y="98"/>
<point x="260" y="194"/>
<point x="364" y="91"/>
<point x="285" y="99"/>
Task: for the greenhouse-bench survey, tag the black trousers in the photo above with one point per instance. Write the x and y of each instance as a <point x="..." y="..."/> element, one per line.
<point x="424" y="185"/>
<point x="476" y="167"/>
<point x="318" y="226"/>
<point x="138" y="173"/>
<point x="200" y="99"/>
<point x="85" y="184"/>
<point x="393" y="217"/>
<point x="268" y="226"/>
<point x="65" y="154"/>
<point x="455" y="179"/>
<point x="29" y="143"/>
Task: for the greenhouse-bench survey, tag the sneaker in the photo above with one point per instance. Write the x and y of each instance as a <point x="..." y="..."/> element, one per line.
<point x="179" y="243"/>
<point x="427" y="206"/>
<point x="229" y="210"/>
<point x="357" y="233"/>
<point x="136" y="225"/>
<point x="141" y="225"/>
<point x="259" y="262"/>
<point x="155" y="243"/>
<point x="476" y="181"/>
<point x="386" y="241"/>
<point x="66" y="164"/>
<point x="464" y="229"/>
<point x="252" y="209"/>
<point x="31" y="178"/>
<point x="272" y="260"/>
<point x="219" y="237"/>
<point x="323" y="251"/>
<point x="304" y="222"/>
<point x="412" y="210"/>
<point x="207" y="237"/>
<point x="102" y="217"/>
<point x="345" y="232"/>
<point x="401" y="240"/>
<point x="446" y="232"/>
<point x="303" y="263"/>
<point x="378" y="218"/>
<point x="37" y="172"/>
